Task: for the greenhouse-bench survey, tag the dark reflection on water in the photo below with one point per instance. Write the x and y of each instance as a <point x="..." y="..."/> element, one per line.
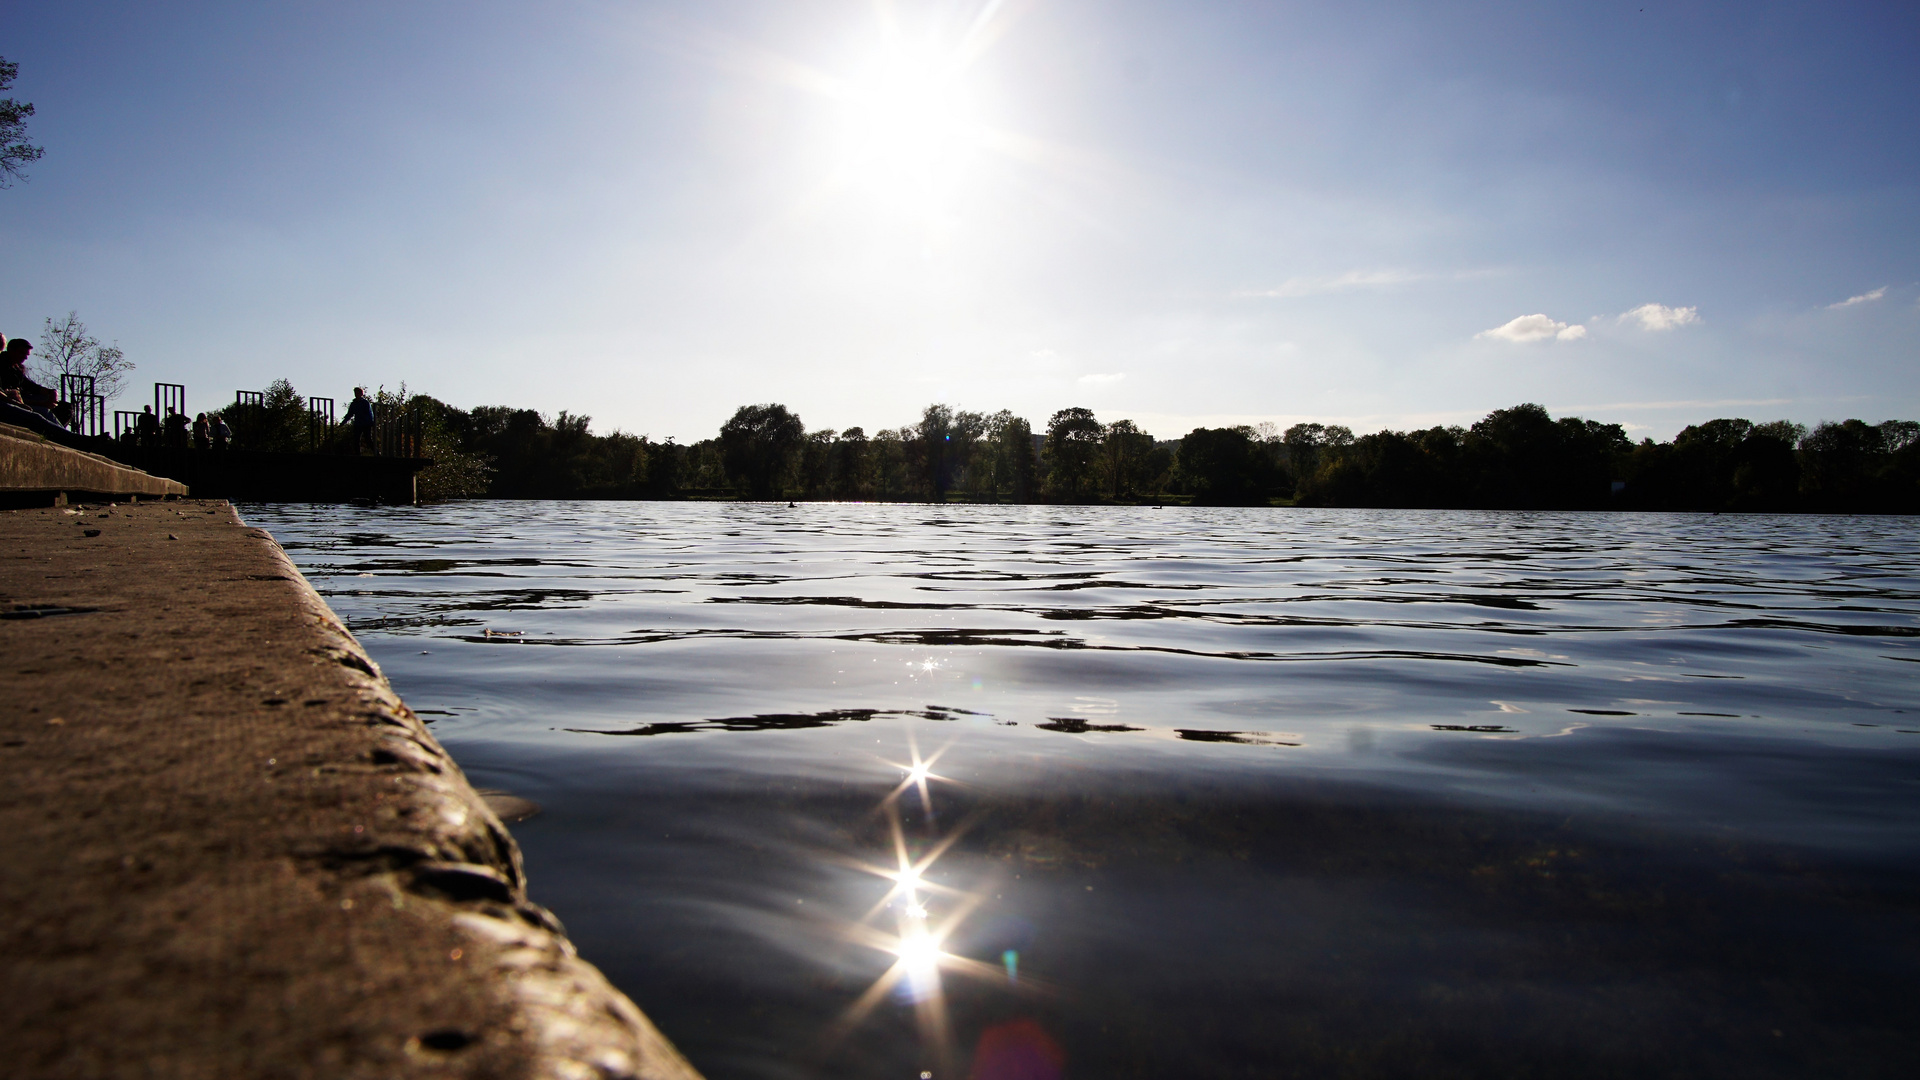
<point x="785" y="721"/>
<point x="1544" y="794"/>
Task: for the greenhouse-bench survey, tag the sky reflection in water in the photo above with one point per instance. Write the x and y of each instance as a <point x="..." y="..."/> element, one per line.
<point x="1224" y="792"/>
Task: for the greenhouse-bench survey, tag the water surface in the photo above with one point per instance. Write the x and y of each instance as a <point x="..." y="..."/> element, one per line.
<point x="1212" y="793"/>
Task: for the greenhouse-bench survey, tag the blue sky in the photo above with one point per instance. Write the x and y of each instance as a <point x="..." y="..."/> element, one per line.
<point x="651" y="213"/>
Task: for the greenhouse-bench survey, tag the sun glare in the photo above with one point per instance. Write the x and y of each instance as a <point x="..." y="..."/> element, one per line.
<point x="911" y="132"/>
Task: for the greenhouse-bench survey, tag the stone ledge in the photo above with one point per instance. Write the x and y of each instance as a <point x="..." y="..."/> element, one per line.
<point x="231" y="850"/>
<point x="33" y="464"/>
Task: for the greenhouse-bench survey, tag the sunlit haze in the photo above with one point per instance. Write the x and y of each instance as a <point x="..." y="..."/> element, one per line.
<point x="652" y="213"/>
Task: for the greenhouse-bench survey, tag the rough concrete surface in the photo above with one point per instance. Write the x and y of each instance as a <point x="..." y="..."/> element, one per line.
<point x="34" y="463"/>
<point x="227" y="849"/>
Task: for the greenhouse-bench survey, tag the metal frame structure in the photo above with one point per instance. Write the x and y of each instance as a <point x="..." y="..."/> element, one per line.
<point x="250" y="397"/>
<point x="168" y="398"/>
<point x="89" y="415"/>
<point x="319" y="421"/>
<point x="89" y="409"/>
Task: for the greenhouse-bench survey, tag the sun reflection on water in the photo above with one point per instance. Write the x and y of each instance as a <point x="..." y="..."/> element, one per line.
<point x="925" y="914"/>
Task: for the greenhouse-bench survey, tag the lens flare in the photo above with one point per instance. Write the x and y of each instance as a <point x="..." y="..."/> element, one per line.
<point x="919" y="772"/>
<point x="926" y="914"/>
<point x="920" y="955"/>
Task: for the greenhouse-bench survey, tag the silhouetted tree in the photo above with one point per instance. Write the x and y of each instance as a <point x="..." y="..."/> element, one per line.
<point x="851" y="465"/>
<point x="278" y="424"/>
<point x="1840" y="463"/>
<point x="816" y="464"/>
<point x="1073" y="439"/>
<point x="1124" y="450"/>
<point x="664" y="467"/>
<point x="518" y="441"/>
<point x="963" y="444"/>
<point x="1900" y="475"/>
<point x="1389" y="468"/>
<point x="1521" y="458"/>
<point x="456" y="473"/>
<point x="893" y="474"/>
<point x="1736" y="465"/>
<point x="759" y="445"/>
<point x="1012" y="469"/>
<point x="15" y="153"/>
<point x="67" y="348"/>
<point x="705" y="468"/>
<point x="1219" y="467"/>
<point x="1307" y="444"/>
<point x="1897" y="435"/>
<point x="941" y="459"/>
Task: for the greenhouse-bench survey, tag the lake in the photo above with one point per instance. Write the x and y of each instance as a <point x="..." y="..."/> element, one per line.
<point x="975" y="791"/>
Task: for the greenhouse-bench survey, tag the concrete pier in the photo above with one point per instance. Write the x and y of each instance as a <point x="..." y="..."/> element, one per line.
<point x="256" y="476"/>
<point x="230" y="850"/>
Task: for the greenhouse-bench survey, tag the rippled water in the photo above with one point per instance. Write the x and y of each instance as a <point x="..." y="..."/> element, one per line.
<point x="1213" y="792"/>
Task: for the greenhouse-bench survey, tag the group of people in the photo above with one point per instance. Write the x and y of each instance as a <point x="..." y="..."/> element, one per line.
<point x="207" y="431"/>
<point x="28" y="404"/>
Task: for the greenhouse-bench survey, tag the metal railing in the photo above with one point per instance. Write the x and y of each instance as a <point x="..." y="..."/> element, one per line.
<point x="319" y="421"/>
<point x="89" y="412"/>
<point x="86" y="410"/>
<point x="169" y="398"/>
<point x="399" y="431"/>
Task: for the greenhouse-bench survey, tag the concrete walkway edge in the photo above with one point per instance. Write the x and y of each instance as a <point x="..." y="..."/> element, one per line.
<point x="233" y="850"/>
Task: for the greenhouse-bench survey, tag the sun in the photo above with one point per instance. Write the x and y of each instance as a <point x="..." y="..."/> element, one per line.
<point x="911" y="131"/>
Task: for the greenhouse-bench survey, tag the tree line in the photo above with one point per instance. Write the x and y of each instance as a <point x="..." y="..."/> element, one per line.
<point x="1514" y="458"/>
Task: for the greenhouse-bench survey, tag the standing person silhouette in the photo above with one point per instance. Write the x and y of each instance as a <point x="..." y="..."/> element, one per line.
<point x="147" y="427"/>
<point x="177" y="429"/>
<point x="360" y="416"/>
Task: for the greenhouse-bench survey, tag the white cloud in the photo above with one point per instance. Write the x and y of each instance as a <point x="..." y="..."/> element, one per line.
<point x="1534" y="328"/>
<point x="1863" y="298"/>
<point x="1107" y="378"/>
<point x="1661" y="317"/>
